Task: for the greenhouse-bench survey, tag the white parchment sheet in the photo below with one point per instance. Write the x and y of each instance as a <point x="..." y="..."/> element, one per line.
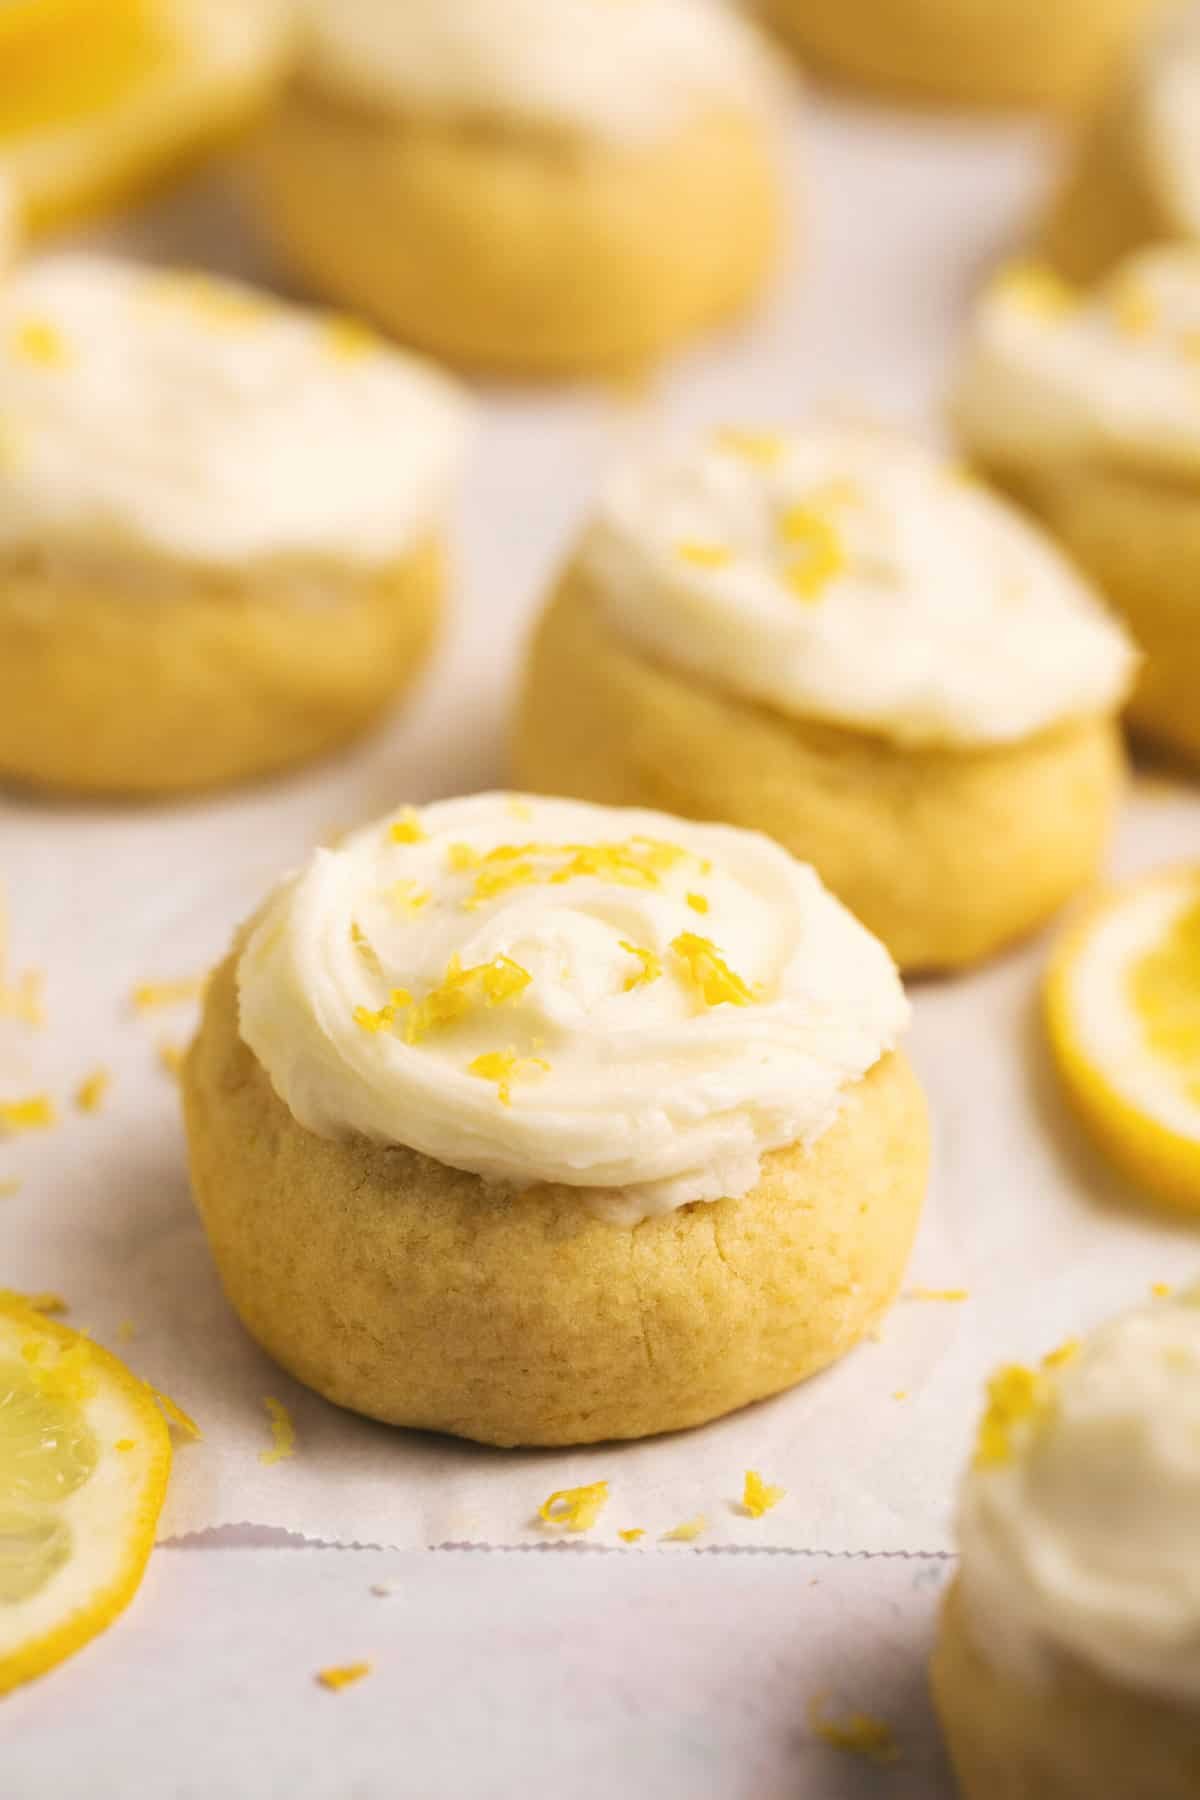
<point x="903" y="218"/>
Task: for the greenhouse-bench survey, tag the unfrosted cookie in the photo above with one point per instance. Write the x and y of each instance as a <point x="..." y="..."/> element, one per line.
<point x="221" y="526"/>
<point x="542" y="187"/>
<point x="835" y="638"/>
<point x="544" y="1123"/>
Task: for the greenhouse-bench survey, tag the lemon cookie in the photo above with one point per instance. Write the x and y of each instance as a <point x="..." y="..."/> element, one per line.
<point x="1135" y="179"/>
<point x="1087" y="407"/>
<point x="158" y="81"/>
<point x="833" y="637"/>
<point x="542" y="187"/>
<point x="1068" y="1661"/>
<point x="544" y="1123"/>
<point x="220" y="528"/>
<point x="982" y="53"/>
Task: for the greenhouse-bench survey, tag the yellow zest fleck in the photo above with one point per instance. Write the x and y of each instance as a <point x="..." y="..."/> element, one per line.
<point x="35" y="1114"/>
<point x="631" y="1536"/>
<point x="39" y="342"/>
<point x="20" y="998"/>
<point x="46" y="1303"/>
<point x="1066" y="1352"/>
<point x="1161" y="1290"/>
<point x="171" y="1057"/>
<point x="343" y="1676"/>
<point x="822" y="555"/>
<point x="1037" y="289"/>
<point x="650" y="966"/>
<point x="406" y="897"/>
<point x="461" y="990"/>
<point x="126" y="1331"/>
<point x="687" y="1533"/>
<point x="951" y="1296"/>
<point x="150" y="996"/>
<point x="857" y="1735"/>
<point x="1017" y="1396"/>
<point x="698" y="903"/>
<point x="762" y="447"/>
<point x="365" y="948"/>
<point x="517" y="808"/>
<point x="504" y="1067"/>
<point x="575" y="1509"/>
<point x="1164" y="985"/>
<point x="124" y="1444"/>
<point x="89" y="1095"/>
<point x="900" y="1394"/>
<point x="408" y="829"/>
<point x="707" y="971"/>
<point x="757" y="1497"/>
<point x="1134" y="309"/>
<point x="385" y="1018"/>
<point x="283" y="1433"/>
<point x="460" y="857"/>
<point x="219" y="303"/>
<point x="704" y="556"/>
<point x="349" y="340"/>
<point x="174" y="1414"/>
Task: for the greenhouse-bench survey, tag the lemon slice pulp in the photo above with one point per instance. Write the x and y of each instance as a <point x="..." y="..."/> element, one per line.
<point x="98" y="96"/>
<point x="1123" y="1011"/>
<point x="84" y="1458"/>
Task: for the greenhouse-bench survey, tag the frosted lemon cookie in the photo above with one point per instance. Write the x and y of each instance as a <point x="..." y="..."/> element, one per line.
<point x="544" y="1123"/>
<point x="1136" y="177"/>
<point x="220" y="525"/>
<point x="99" y="96"/>
<point x="1087" y="407"/>
<point x="982" y="53"/>
<point x="1068" y="1664"/>
<point x="544" y="186"/>
<point x="835" y="638"/>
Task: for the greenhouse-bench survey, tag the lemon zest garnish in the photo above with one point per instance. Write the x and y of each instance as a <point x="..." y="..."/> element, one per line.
<point x="365" y="948"/>
<point x="687" y="1533"/>
<point x="516" y="808"/>
<point x="757" y="1497"/>
<point x="406" y="897"/>
<point x="283" y="1432"/>
<point x="385" y="1017"/>
<point x="704" y="556"/>
<point x="1161" y="1290"/>
<point x="40" y="342"/>
<point x="1066" y="1352"/>
<point x="707" y="971"/>
<point x="698" y="903"/>
<point x="171" y="1057"/>
<point x="460" y="857"/>
<point x="575" y="1509"/>
<point x="461" y="990"/>
<point x="650" y="969"/>
<point x="632" y="1535"/>
<point x="34" y="1114"/>
<point x="823" y="556"/>
<point x="504" y="1067"/>
<point x="20" y="998"/>
<point x="951" y="1296"/>
<point x="149" y="996"/>
<point x="857" y="1735"/>
<point x="408" y="829"/>
<point x="89" y="1095"/>
<point x="1037" y="289"/>
<point x="900" y="1394"/>
<point x="349" y="340"/>
<point x="1017" y="1396"/>
<point x="762" y="447"/>
<point x="343" y="1675"/>
<point x="174" y="1414"/>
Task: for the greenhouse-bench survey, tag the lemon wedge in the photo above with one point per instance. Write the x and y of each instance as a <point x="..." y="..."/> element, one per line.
<point x="84" y="1458"/>
<point x="1123" y="1012"/>
<point x="97" y="97"/>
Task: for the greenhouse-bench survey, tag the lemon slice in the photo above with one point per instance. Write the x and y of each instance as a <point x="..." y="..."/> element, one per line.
<point x="84" y="1457"/>
<point x="99" y="96"/>
<point x="1123" y="1010"/>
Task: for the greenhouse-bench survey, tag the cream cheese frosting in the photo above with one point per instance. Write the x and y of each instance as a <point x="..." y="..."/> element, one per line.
<point x="1111" y="376"/>
<point x="1078" y="1522"/>
<point x="617" y="70"/>
<point x="547" y="991"/>
<point x="198" y="419"/>
<point x="848" y="576"/>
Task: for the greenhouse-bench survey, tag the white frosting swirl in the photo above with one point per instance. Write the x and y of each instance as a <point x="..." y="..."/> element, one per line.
<point x="202" y="420"/>
<point x="848" y="576"/>
<point x="617" y="70"/>
<point x="663" y="1001"/>
<point x="1083" y="1539"/>
<point x="1052" y="377"/>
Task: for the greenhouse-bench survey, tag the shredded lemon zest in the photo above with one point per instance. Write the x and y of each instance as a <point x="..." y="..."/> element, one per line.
<point x="461" y="991"/>
<point x="687" y="1533"/>
<point x="504" y="1067"/>
<point x="708" y="972"/>
<point x="704" y="556"/>
<point x="575" y="1509"/>
<point x="460" y="857"/>
<point x="900" y="1394"/>
<point x="650" y="966"/>
<point x="1066" y="1353"/>
<point x="40" y="342"/>
<point x="406" y="897"/>
<point x="22" y="997"/>
<point x="698" y="902"/>
<point x="758" y="1497"/>
<point x="34" y="1114"/>
<point x="365" y="948"/>
<point x="170" y="1056"/>
<point x="951" y="1296"/>
<point x="1161" y="1290"/>
<point x="1017" y="1396"/>
<point x="762" y="447"/>
<point x="857" y="1735"/>
<point x="632" y="1535"/>
<point x="408" y="829"/>
<point x="150" y="996"/>
<point x="517" y="808"/>
<point x="283" y="1432"/>
<point x="174" y="1414"/>
<point x="342" y="1675"/>
<point x="89" y="1095"/>
<point x="823" y="557"/>
<point x="385" y="1017"/>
